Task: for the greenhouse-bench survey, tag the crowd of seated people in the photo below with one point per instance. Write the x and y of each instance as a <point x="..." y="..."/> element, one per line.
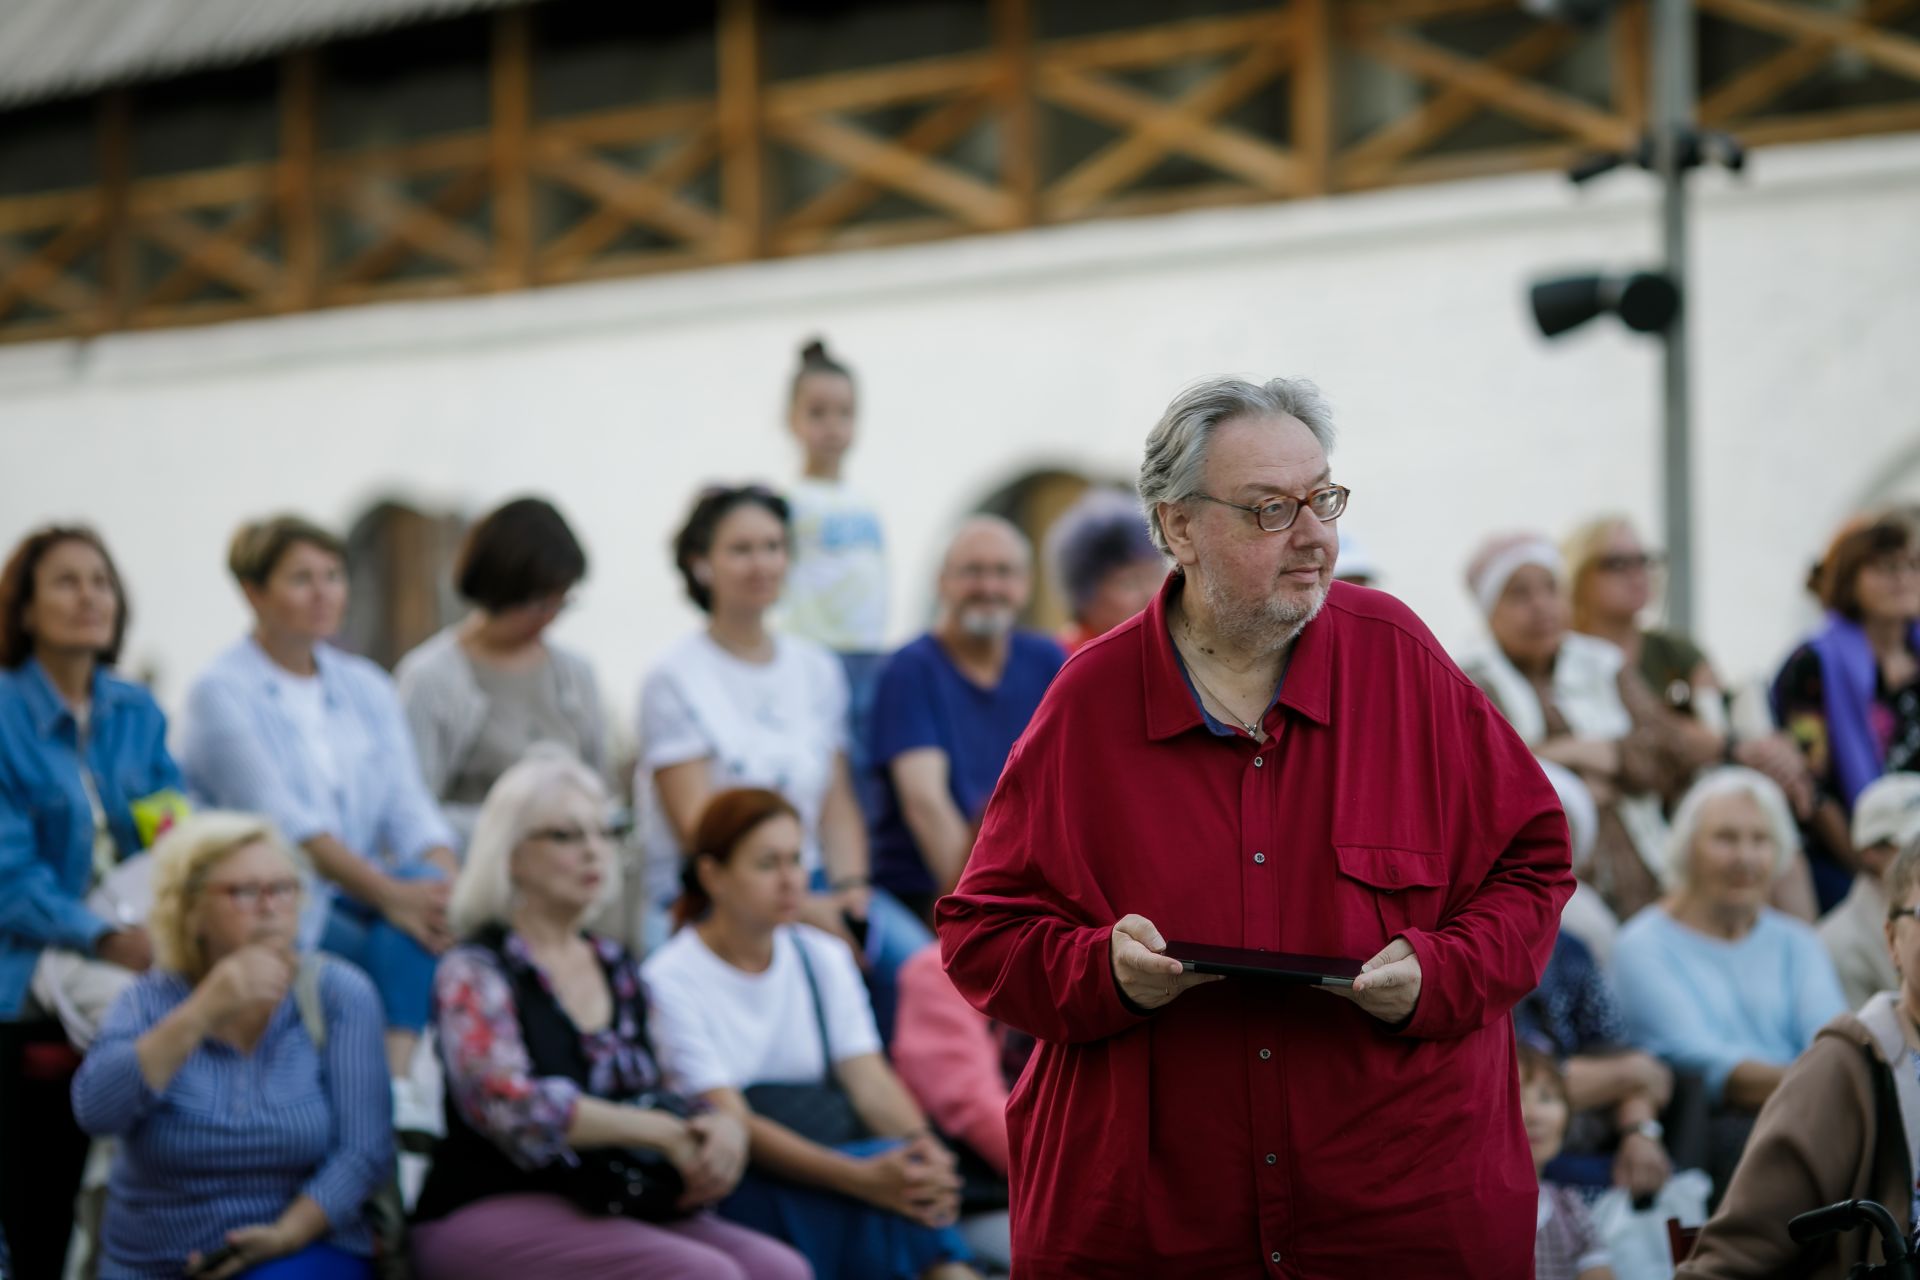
<point x="248" y="922"/>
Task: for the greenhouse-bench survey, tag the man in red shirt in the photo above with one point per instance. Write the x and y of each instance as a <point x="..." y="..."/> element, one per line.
<point x="1263" y="760"/>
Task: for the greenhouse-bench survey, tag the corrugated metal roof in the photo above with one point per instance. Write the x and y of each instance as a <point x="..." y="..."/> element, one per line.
<point x="60" y="48"/>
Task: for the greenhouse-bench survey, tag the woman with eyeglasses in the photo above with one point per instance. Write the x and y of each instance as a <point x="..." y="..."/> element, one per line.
<point x="565" y="1154"/>
<point x="247" y="1147"/>
<point x="1849" y="696"/>
<point x="481" y="692"/>
<point x="737" y="704"/>
<point x="1574" y="700"/>
<point x="1611" y="584"/>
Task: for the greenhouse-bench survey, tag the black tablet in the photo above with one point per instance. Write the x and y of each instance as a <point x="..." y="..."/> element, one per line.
<point x="1281" y="966"/>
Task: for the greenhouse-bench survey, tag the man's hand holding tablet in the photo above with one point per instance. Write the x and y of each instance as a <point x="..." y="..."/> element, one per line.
<point x="1146" y="978"/>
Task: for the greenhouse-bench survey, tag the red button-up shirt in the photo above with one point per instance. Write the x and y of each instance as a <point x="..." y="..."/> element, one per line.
<point x="1248" y="1128"/>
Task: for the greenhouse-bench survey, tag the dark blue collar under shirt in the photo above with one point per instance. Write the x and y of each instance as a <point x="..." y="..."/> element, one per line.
<point x="1220" y="728"/>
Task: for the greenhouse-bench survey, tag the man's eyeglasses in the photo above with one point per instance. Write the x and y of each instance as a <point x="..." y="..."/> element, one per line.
<point x="1278" y="515"/>
<point x="251" y="893"/>
<point x="1626" y="562"/>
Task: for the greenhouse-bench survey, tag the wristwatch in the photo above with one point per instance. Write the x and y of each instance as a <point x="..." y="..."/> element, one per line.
<point x="1651" y="1129"/>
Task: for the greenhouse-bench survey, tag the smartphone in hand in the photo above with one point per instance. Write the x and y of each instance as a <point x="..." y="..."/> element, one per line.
<point x="212" y="1262"/>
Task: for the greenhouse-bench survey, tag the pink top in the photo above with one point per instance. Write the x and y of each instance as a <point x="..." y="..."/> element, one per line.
<point x="947" y="1055"/>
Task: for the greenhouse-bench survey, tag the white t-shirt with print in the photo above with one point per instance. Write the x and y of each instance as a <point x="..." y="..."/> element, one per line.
<point x="715" y="1026"/>
<point x="778" y="725"/>
<point x="837" y="584"/>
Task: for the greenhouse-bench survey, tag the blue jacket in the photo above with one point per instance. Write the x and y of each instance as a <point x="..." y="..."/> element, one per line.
<point x="46" y="824"/>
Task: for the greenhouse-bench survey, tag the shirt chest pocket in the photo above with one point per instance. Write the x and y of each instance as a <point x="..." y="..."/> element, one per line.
<point x="1391" y="889"/>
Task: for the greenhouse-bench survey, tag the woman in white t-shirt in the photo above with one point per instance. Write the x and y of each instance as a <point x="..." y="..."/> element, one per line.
<point x="737" y="704"/>
<point x="766" y="1019"/>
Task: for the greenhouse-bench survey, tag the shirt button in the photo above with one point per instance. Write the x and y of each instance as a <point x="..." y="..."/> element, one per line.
<point x="1265" y="1054"/>
<point x="1258" y="761"/>
<point x="1273" y="1159"/>
<point x="1275" y="1256"/>
<point x="1260" y="857"/>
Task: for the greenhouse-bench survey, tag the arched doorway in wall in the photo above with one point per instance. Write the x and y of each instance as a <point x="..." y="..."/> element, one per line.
<point x="1033" y="501"/>
<point x="398" y="560"/>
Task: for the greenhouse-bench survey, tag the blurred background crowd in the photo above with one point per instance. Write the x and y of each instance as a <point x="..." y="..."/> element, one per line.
<point x="627" y="606"/>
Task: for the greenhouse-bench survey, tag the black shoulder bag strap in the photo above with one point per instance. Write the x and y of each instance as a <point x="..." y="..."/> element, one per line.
<point x="819" y="1006"/>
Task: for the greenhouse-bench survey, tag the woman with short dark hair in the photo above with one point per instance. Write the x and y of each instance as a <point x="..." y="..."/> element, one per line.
<point x="738" y="703"/>
<point x="284" y="724"/>
<point x="1850" y="695"/>
<point x="483" y="690"/>
<point x="85" y="780"/>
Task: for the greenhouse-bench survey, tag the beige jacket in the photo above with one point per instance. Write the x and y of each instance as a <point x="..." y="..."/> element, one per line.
<point x="1844" y="1124"/>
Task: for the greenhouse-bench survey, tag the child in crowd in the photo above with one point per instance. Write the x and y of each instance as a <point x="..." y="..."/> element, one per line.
<point x="837" y="586"/>
<point x="1567" y="1247"/>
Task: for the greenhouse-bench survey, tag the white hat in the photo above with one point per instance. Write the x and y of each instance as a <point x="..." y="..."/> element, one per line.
<point x="1353" y="560"/>
<point x="1888" y="810"/>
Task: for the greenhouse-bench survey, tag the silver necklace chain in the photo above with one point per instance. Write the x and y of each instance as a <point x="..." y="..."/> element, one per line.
<point x="1253" y="729"/>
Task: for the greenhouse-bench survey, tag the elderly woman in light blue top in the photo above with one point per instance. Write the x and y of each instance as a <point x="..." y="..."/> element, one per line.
<point x="284" y="725"/>
<point x="1711" y="978"/>
<point x="249" y="1097"/>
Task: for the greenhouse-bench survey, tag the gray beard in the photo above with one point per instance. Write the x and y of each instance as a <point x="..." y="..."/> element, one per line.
<point x="1266" y="623"/>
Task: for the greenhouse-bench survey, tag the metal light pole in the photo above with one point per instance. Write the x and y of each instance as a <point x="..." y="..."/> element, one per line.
<point x="1673" y="138"/>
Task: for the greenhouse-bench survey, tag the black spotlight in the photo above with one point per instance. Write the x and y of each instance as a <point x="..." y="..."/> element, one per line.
<point x="1645" y="301"/>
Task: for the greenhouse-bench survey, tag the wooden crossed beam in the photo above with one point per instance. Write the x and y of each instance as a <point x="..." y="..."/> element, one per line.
<point x="1373" y="158"/>
<point x="809" y="226"/>
<point x="1156" y="128"/>
<point x="204" y="254"/>
<point x="42" y="275"/>
<point x="1494" y="86"/>
<point x="414" y="227"/>
<point x="624" y="196"/>
<point x="1888" y="50"/>
<point x="891" y="163"/>
<point x="1764" y="81"/>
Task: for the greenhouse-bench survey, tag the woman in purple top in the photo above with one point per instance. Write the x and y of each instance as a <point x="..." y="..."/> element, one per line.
<point x="1850" y="695"/>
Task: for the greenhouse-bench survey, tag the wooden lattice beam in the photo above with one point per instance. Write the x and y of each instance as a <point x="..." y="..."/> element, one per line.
<point x="1524" y="100"/>
<point x="1155" y="128"/>
<point x="1765" y="81"/>
<point x="414" y="228"/>
<point x="1887" y="49"/>
<point x="206" y="254"/>
<point x="1373" y="158"/>
<point x="42" y="275"/>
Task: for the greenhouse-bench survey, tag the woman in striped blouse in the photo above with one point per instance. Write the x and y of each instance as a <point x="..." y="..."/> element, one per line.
<point x="245" y="1149"/>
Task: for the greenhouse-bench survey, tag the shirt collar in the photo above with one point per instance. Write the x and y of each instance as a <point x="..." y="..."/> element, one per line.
<point x="49" y="709"/>
<point x="326" y="666"/>
<point x="1172" y="704"/>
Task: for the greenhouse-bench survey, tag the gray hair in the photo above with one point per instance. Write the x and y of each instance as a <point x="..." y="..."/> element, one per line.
<point x="483" y="893"/>
<point x="1901" y="876"/>
<point x="1728" y="780"/>
<point x="1176" y="455"/>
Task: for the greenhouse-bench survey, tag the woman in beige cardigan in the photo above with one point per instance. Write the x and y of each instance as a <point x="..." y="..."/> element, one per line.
<point x="1844" y="1124"/>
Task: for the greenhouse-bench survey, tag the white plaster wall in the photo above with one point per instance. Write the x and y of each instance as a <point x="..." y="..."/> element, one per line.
<point x="982" y="358"/>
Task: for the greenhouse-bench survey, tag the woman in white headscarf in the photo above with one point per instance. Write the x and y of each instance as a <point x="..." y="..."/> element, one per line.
<point x="1578" y="705"/>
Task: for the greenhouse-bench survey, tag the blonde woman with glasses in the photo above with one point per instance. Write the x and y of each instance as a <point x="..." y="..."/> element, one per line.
<point x="245" y="1147"/>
